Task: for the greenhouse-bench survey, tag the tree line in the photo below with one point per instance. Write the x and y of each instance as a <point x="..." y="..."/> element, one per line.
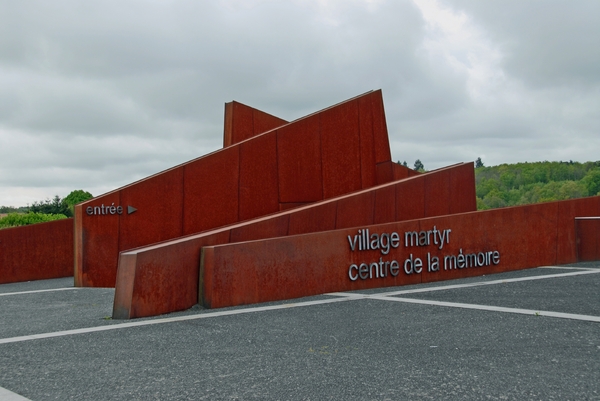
<point x="43" y="211"/>
<point x="526" y="183"/>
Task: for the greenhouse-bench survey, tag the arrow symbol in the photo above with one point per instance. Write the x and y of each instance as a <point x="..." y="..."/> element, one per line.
<point x="131" y="209"/>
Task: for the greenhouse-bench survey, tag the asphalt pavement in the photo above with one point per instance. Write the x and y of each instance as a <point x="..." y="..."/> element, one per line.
<point x="526" y="335"/>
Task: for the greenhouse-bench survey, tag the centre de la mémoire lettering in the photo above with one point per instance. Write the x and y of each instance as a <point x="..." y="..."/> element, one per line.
<point x="385" y="242"/>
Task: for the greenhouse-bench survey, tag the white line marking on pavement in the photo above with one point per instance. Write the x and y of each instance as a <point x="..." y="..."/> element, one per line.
<point x="36" y="291"/>
<point x="6" y="395"/>
<point x="468" y="285"/>
<point x="169" y="320"/>
<point x="560" y="315"/>
<point x="568" y="268"/>
<point x="339" y="297"/>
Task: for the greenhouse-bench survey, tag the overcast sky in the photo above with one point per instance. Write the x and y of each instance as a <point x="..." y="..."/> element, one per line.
<point x="97" y="94"/>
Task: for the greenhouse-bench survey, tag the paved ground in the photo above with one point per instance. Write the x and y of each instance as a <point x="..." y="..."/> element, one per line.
<point x="532" y="334"/>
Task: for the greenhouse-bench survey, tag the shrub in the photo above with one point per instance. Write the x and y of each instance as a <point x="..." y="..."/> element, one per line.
<point x="16" y="219"/>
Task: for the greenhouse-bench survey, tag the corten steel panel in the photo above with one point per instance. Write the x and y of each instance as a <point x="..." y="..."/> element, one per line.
<point x="210" y="185"/>
<point x="310" y="264"/>
<point x="122" y="304"/>
<point x="156" y="270"/>
<point x="399" y="171"/>
<point x="524" y="236"/>
<point x="157" y="217"/>
<point x="259" y="189"/>
<point x="36" y="252"/>
<point x="385" y="205"/>
<point x="380" y="132"/>
<point x="243" y="122"/>
<point x="99" y="244"/>
<point x="539" y="224"/>
<point x="463" y="199"/>
<point x="318" y="217"/>
<point x="228" y="125"/>
<point x="384" y="172"/>
<point x="340" y="148"/>
<point x="468" y="232"/>
<point x="210" y="195"/>
<point x="77" y="244"/>
<point x="473" y="232"/>
<point x="537" y="231"/>
<point x="355" y="210"/>
<point x="367" y="145"/>
<point x="437" y="189"/>
<point x="597" y="242"/>
<point x="263" y="122"/>
<point x="290" y="267"/>
<point x="410" y="199"/>
<point x="588" y="239"/>
<point x="391" y="171"/>
<point x="206" y="276"/>
<point x="567" y="211"/>
<point x="171" y="295"/>
<point x="264" y="228"/>
<point x="299" y="161"/>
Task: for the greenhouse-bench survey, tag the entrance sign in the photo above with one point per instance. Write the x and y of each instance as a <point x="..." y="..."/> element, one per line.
<point x="103" y="210"/>
<point x="108" y="210"/>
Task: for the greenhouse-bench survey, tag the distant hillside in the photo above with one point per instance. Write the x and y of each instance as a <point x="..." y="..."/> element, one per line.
<point x="525" y="183"/>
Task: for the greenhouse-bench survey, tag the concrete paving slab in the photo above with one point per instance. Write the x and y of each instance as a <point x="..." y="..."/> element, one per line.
<point x="33" y="313"/>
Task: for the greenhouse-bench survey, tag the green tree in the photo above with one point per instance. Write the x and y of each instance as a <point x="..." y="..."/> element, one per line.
<point x="61" y="206"/>
<point x="479" y="163"/>
<point x="494" y="199"/>
<point x="591" y="182"/>
<point x="525" y="183"/>
<point x="485" y="186"/>
<point x="419" y="166"/>
<point x="571" y="190"/>
<point x="54" y="206"/>
<point x="75" y="197"/>
<point x="507" y="179"/>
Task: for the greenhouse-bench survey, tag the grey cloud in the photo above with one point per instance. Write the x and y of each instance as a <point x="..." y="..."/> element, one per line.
<point x="98" y="94"/>
<point x="550" y="43"/>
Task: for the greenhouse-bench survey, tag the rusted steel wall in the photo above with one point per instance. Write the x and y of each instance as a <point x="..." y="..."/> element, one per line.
<point x="468" y="244"/>
<point x="244" y="122"/>
<point x="164" y="277"/>
<point x="324" y="155"/>
<point x="588" y="238"/>
<point x="36" y="252"/>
